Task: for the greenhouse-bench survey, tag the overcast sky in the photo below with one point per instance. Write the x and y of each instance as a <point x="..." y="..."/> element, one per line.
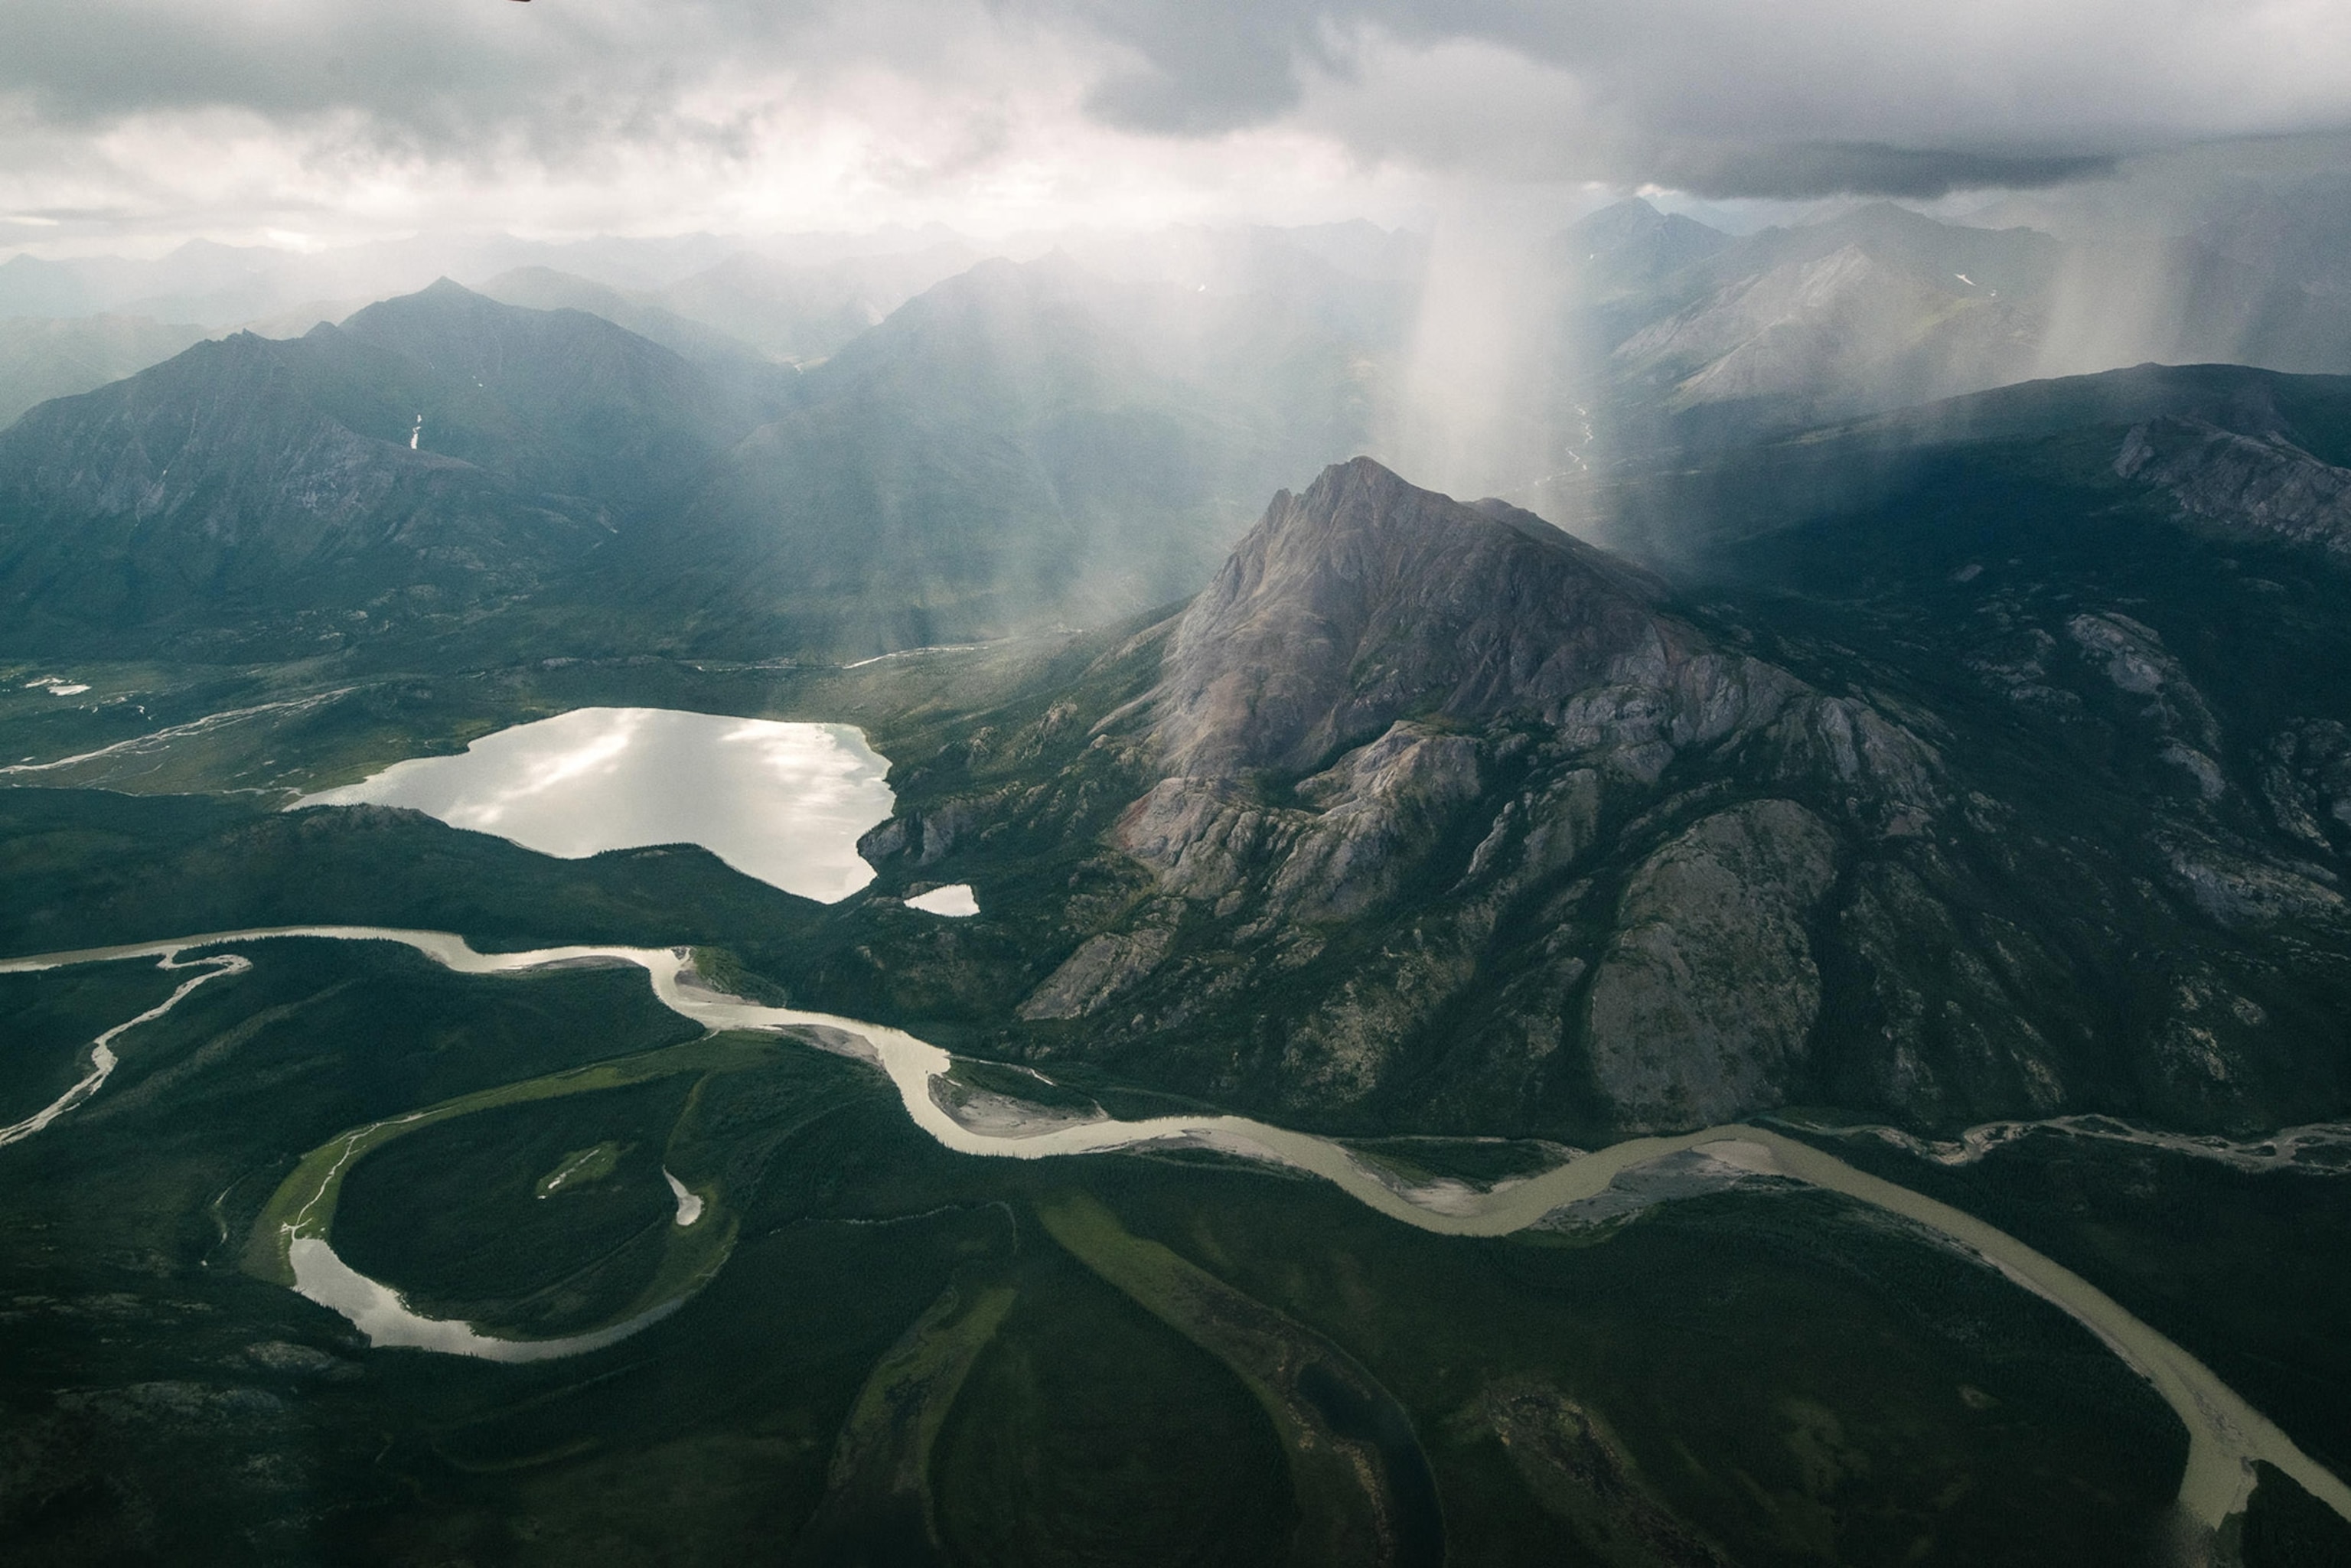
<point x="134" y="122"/>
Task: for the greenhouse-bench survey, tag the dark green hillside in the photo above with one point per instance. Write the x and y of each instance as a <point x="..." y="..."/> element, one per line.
<point x="912" y="1355"/>
<point x="442" y="456"/>
<point x="585" y="408"/>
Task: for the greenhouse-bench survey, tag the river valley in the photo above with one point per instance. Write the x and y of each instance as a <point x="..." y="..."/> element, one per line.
<point x="2227" y="1436"/>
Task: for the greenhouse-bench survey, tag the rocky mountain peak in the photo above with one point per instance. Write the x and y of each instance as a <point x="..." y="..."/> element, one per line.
<point x="1367" y="599"/>
<point x="509" y="349"/>
<point x="1631" y="241"/>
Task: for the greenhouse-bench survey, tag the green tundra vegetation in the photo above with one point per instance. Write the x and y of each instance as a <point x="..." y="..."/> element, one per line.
<point x="912" y="1354"/>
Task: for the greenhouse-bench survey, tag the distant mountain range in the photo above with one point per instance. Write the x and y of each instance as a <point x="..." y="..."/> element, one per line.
<point x="1304" y="345"/>
<point x="1024" y="445"/>
<point x="41" y="359"/>
<point x="1981" y="757"/>
<point x="1708" y="339"/>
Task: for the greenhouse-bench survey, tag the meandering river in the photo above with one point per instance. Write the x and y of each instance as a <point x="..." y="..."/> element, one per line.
<point x="2226" y="1435"/>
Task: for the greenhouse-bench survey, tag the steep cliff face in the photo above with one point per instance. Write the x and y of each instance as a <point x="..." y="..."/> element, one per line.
<point x="1704" y="1003"/>
<point x="1365" y="599"/>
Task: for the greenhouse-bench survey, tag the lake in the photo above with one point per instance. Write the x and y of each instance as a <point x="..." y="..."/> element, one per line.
<point x="783" y="802"/>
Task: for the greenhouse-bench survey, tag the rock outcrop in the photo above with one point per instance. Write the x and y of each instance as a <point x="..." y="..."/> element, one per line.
<point x="1366" y="599"/>
<point x="1387" y="742"/>
<point x="1704" y="1004"/>
<point x="1425" y="815"/>
<point x="2257" y="486"/>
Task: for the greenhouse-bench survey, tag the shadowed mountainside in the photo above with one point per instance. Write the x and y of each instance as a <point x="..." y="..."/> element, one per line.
<point x="434" y="456"/>
<point x="1023" y="446"/>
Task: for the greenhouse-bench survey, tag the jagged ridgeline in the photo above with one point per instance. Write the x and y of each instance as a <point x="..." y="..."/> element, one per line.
<point x="1022" y="446"/>
<point x="1427" y="814"/>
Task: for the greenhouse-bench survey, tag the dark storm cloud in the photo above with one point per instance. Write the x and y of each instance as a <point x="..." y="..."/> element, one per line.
<point x="1809" y="170"/>
<point x="1726" y="97"/>
<point x="431" y="74"/>
<point x="1731" y="98"/>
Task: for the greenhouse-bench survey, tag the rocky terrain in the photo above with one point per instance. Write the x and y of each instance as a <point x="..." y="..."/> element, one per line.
<point x="2251" y="484"/>
<point x="1427" y="813"/>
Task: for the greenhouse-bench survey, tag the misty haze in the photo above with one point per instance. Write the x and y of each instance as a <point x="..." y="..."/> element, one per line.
<point x="1292" y="782"/>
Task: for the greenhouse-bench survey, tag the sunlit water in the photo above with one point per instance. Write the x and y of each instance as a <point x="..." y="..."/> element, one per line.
<point x="782" y="803"/>
<point x="956" y="901"/>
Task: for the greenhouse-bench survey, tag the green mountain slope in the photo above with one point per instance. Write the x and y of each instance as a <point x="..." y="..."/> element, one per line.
<point x="435" y="457"/>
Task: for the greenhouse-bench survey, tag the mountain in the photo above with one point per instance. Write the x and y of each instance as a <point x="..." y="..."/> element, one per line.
<point x="45" y="357"/>
<point x="1710" y="340"/>
<point x="222" y="287"/>
<point x="2091" y="443"/>
<point x="2261" y="280"/>
<point x="434" y="455"/>
<point x="1631" y="246"/>
<point x="201" y="281"/>
<point x="34" y="286"/>
<point x="1021" y="445"/>
<point x="1427" y="815"/>
<point x="1408" y="812"/>
<point x="545" y="288"/>
<point x="793" y="310"/>
<point x="576" y="405"/>
<point x="1024" y="445"/>
<point x="215" y="494"/>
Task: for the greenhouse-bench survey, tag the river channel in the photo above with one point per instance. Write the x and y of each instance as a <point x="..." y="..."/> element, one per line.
<point x="2226" y="1435"/>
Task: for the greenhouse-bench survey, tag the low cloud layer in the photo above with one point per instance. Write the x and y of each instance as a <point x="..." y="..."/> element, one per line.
<point x="129" y="117"/>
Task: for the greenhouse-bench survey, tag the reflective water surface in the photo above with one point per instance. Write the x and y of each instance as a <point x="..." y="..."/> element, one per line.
<point x="782" y="803"/>
<point x="956" y="901"/>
